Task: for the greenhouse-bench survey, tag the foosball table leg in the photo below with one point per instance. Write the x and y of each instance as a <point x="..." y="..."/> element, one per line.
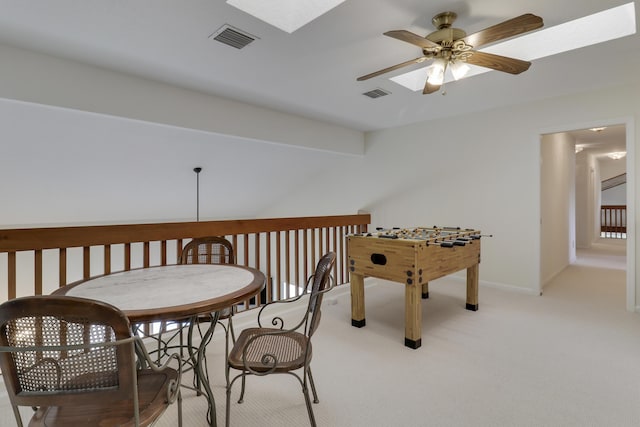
<point x="472" y="288"/>
<point x="357" y="300"/>
<point x="413" y="316"/>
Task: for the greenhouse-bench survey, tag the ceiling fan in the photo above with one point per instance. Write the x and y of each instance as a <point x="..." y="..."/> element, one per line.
<point x="452" y="48"/>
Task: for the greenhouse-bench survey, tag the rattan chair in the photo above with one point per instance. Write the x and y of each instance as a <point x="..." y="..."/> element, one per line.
<point x="265" y="350"/>
<point x="208" y="250"/>
<point x="211" y="250"/>
<point x="74" y="361"/>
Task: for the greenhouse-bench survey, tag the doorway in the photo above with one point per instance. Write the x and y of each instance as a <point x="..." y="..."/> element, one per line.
<point x="574" y="162"/>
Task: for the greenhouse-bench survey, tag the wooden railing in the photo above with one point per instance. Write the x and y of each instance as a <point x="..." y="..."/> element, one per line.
<point x="613" y="221"/>
<point x="35" y="261"/>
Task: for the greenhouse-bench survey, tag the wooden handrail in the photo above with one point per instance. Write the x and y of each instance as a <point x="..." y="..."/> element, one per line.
<point x="285" y="249"/>
<point x="24" y="239"/>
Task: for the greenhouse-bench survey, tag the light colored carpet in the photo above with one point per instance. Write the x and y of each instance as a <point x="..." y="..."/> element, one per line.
<point x="568" y="358"/>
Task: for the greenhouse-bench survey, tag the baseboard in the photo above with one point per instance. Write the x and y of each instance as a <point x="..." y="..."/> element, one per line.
<point x="372" y="281"/>
<point x="496" y="285"/>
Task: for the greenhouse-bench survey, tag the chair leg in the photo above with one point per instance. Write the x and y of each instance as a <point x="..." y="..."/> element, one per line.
<point x="193" y="356"/>
<point x="228" y="409"/>
<point x="313" y="385"/>
<point x="242" y="390"/>
<point x="16" y="414"/>
<point x="307" y="400"/>
<point x="179" y="408"/>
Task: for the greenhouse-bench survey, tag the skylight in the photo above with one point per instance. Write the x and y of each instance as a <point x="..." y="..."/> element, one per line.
<point x="287" y="15"/>
<point x="593" y="29"/>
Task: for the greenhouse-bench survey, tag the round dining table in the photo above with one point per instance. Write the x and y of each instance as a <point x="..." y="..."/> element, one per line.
<point x="174" y="292"/>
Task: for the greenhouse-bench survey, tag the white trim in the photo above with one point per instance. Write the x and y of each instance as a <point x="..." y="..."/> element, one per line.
<point x="631" y="214"/>
<point x="462" y="278"/>
<point x="537" y="244"/>
<point x="496" y="285"/>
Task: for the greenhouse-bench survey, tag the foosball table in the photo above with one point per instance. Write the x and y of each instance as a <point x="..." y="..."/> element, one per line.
<point x="412" y="256"/>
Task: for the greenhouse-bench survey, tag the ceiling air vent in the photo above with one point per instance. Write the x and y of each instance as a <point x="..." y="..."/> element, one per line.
<point x="376" y="93"/>
<point x="232" y="36"/>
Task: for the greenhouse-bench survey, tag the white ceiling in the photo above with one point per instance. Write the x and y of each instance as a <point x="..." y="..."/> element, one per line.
<point x="312" y="72"/>
<point x="611" y="138"/>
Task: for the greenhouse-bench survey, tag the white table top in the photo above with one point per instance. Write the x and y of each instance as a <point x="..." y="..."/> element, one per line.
<point x="165" y="292"/>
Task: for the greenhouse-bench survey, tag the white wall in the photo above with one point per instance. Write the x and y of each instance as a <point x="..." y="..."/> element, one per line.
<point x="587" y="199"/>
<point x="478" y="170"/>
<point x="558" y="202"/>
<point x="610" y="168"/>
<point x="595" y="196"/>
<point x="62" y="166"/>
<point x="615" y="196"/>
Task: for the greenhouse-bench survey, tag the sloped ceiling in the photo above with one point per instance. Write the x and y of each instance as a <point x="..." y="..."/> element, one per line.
<point x="312" y="72"/>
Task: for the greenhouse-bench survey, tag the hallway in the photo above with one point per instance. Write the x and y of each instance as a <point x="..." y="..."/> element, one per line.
<point x="595" y="282"/>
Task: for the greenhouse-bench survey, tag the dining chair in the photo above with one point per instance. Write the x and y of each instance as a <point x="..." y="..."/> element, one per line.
<point x="208" y="250"/>
<point x="265" y="350"/>
<point x="212" y="250"/>
<point x="73" y="360"/>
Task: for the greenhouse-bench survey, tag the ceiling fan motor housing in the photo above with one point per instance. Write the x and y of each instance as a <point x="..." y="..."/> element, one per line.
<point x="444" y="20"/>
<point x="445" y="32"/>
<point x="446" y="35"/>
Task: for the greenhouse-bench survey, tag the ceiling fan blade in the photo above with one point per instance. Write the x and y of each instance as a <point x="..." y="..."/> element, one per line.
<point x="393" y="67"/>
<point x="510" y="28"/>
<point x="429" y="88"/>
<point x="409" y="37"/>
<point x="497" y="62"/>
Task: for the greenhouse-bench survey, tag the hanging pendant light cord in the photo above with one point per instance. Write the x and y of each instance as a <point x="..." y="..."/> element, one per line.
<point x="197" y="171"/>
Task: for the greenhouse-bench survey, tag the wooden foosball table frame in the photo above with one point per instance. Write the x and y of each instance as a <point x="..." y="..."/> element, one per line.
<point x="413" y="257"/>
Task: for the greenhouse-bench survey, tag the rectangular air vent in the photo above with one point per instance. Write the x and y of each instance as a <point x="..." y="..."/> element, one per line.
<point x="232" y="36"/>
<point x="376" y="93"/>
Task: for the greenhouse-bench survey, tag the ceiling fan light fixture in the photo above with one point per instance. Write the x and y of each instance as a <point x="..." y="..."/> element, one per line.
<point x="459" y="69"/>
<point x="436" y="71"/>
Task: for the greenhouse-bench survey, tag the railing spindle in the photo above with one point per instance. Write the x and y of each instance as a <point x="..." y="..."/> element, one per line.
<point x="313" y="247"/>
<point x="287" y="264"/>
<point x="178" y="249"/>
<point x="107" y="259"/>
<point x="269" y="278"/>
<point x="278" y="266"/>
<point x="11" y="275"/>
<point x="344" y="257"/>
<point x="256" y="262"/>
<point x="296" y="259"/>
<point x="127" y="256"/>
<point x="305" y="255"/>
<point x="62" y="267"/>
<point x="37" y="261"/>
<point x="163" y="252"/>
<point x="86" y="262"/>
<point x="146" y="255"/>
